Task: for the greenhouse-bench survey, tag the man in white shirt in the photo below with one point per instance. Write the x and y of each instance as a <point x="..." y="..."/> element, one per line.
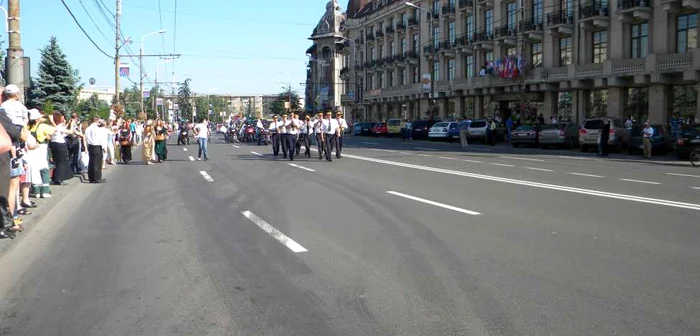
<point x="306" y="129"/>
<point x="283" y="131"/>
<point x="293" y="135"/>
<point x="96" y="139"/>
<point x="342" y="125"/>
<point x="201" y="132"/>
<point x="14" y="108"/>
<point x="330" y="130"/>
<point x="647" y="134"/>
<point x="318" y="131"/>
<point x="273" y="128"/>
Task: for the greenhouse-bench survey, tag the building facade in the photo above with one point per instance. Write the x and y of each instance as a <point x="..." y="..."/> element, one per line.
<point x="105" y="94"/>
<point x="564" y="58"/>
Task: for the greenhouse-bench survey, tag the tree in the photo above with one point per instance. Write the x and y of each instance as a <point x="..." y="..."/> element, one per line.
<point x="183" y="98"/>
<point x="56" y="80"/>
<point x="277" y="106"/>
<point x="2" y="61"/>
<point x="92" y="106"/>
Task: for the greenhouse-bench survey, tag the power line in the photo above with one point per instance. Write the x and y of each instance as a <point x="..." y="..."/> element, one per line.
<point x="93" y="21"/>
<point x="83" y="30"/>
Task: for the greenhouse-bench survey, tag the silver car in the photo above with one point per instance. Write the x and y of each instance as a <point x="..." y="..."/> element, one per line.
<point x="590" y="131"/>
<point x="560" y="135"/>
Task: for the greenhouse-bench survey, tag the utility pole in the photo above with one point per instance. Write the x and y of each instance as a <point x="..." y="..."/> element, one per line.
<point x="15" y="54"/>
<point x="117" y="46"/>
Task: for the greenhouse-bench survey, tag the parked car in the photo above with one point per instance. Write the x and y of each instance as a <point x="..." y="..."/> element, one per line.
<point x="523" y="135"/>
<point x="394" y="126"/>
<point x="477" y="130"/>
<point x="589" y="132"/>
<point x="563" y="134"/>
<point x="421" y="128"/>
<point x="661" y="141"/>
<point x="444" y="130"/>
<point x="363" y="128"/>
<point x="379" y="129"/>
<point x="689" y="140"/>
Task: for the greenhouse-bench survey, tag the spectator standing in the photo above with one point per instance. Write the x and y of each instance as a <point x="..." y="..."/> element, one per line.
<point x="647" y="134"/>
<point x="39" y="169"/>
<point x="96" y="139"/>
<point x="59" y="150"/>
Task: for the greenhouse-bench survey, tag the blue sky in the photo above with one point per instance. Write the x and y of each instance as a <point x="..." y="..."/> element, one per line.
<point x="234" y="46"/>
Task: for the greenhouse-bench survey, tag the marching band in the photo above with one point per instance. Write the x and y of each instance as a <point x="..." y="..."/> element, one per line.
<point x="291" y="133"/>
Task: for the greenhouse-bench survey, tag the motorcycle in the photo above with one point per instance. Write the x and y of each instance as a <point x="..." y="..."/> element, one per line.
<point x="183" y="137"/>
<point x="249" y="134"/>
<point x="264" y="138"/>
<point x="231" y="135"/>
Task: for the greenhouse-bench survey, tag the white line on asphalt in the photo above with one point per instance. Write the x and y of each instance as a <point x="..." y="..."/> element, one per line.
<point x="639" y="181"/>
<point x="521" y="158"/>
<point x="599" y="193"/>
<point x="425" y="148"/>
<point x="685" y="175"/>
<point x="447" y="158"/>
<point x="540" y="169"/>
<point x="502" y="164"/>
<point x="256" y="153"/>
<point x="405" y="153"/>
<point x="472" y="161"/>
<point x="281" y="237"/>
<point x="479" y="149"/>
<point x="576" y="158"/>
<point x="301" y="167"/>
<point x="206" y="176"/>
<point x="370" y="143"/>
<point x="586" y="175"/>
<point x="698" y="188"/>
<point x="184" y="149"/>
<point x="425" y="155"/>
<point x="191" y="158"/>
<point x="236" y="146"/>
<point x="437" y="204"/>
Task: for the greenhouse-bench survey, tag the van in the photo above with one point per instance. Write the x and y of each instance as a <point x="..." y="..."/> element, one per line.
<point x="394" y="126"/>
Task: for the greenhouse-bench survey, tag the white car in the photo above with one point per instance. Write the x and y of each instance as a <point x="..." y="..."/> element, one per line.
<point x="444" y="130"/>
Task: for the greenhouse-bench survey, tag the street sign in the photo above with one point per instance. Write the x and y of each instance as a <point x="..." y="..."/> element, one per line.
<point x="146" y="94"/>
<point x="159" y="101"/>
<point x="123" y="69"/>
<point x="286" y="105"/>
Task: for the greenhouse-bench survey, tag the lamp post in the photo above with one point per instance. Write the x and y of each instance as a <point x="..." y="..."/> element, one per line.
<point x="432" y="44"/>
<point x="143" y="37"/>
<point x="354" y="72"/>
<point x="289" y="90"/>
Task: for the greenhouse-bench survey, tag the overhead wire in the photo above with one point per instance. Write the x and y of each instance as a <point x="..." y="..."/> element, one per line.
<point x="83" y="30"/>
<point x="93" y="21"/>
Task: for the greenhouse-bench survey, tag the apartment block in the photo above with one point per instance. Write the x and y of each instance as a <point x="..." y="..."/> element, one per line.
<point x="575" y="59"/>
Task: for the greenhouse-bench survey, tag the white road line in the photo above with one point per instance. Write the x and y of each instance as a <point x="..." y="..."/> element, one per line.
<point x="191" y="158"/>
<point x="437" y="204"/>
<point x="685" y="175"/>
<point x="539" y="169"/>
<point x="576" y="158"/>
<point x="586" y="175"/>
<point x="521" y="158"/>
<point x="472" y="161"/>
<point x="370" y="143"/>
<point x="555" y="187"/>
<point x="447" y="158"/>
<point x="502" y="164"/>
<point x="256" y="153"/>
<point x="639" y="181"/>
<point x="206" y="176"/>
<point x="425" y="148"/>
<point x="479" y="149"/>
<point x="281" y="237"/>
<point x="184" y="149"/>
<point x="405" y="153"/>
<point x="236" y="146"/>
<point x="301" y="167"/>
<point x="698" y="188"/>
<point x="424" y="155"/>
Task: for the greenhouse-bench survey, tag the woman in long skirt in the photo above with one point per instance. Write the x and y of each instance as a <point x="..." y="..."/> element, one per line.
<point x="161" y="135"/>
<point x="148" y="143"/>
<point x="59" y="150"/>
<point x="124" y="136"/>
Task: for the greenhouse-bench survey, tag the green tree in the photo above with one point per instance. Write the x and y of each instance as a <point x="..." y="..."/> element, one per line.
<point x="91" y="107"/>
<point x="129" y="100"/>
<point x="277" y="106"/>
<point x="184" y="103"/>
<point x="56" y="81"/>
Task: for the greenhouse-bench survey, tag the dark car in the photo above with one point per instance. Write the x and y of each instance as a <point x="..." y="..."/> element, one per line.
<point x="421" y="128"/>
<point x="689" y="140"/>
<point x="380" y="128"/>
<point x="363" y="128"/>
<point x="661" y="141"/>
<point x="523" y="135"/>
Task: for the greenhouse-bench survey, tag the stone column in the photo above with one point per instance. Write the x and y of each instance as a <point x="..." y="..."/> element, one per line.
<point x="550" y="103"/>
<point x="580" y="104"/>
<point x="459" y="106"/>
<point x="616" y="102"/>
<point x="659" y="95"/>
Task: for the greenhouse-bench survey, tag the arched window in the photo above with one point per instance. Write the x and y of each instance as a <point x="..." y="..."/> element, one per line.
<point x="326" y="53"/>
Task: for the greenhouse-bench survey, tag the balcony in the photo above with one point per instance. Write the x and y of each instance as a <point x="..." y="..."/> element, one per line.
<point x="483" y="40"/>
<point x="677" y="6"/>
<point x="448" y="46"/>
<point x="674" y="62"/>
<point x="379" y="34"/>
<point x="586" y="71"/>
<point x="507" y="35"/>
<point x="448" y="11"/>
<point x="413" y="22"/>
<point x="556" y="74"/>
<point x="485" y="3"/>
<point x="369" y="37"/>
<point x="629" y="10"/>
<point x="561" y="22"/>
<point x="430" y="49"/>
<point x="401" y="26"/>
<point x="532" y="28"/>
<point x="628" y="67"/>
<point x="466" y="5"/>
<point x="594" y="15"/>
<point x="389" y="30"/>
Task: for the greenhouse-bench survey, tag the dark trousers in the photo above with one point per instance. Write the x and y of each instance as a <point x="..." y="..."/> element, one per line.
<point x="306" y="141"/>
<point x="320" y="145"/>
<point x="338" y="146"/>
<point x="95" y="163"/>
<point x="61" y="170"/>
<point x="74" y="153"/>
<point x="125" y="152"/>
<point x="275" y="143"/>
<point x="291" y="143"/>
<point x="330" y="142"/>
<point x="285" y="143"/>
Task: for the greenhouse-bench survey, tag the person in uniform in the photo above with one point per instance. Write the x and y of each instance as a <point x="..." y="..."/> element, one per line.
<point x="342" y="125"/>
<point x="292" y="135"/>
<point x="306" y="129"/>
<point x="275" y="136"/>
<point x="318" y="131"/>
<point x="330" y="130"/>
<point x="282" y="130"/>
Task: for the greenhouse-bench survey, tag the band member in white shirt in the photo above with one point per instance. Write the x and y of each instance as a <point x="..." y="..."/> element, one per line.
<point x="318" y="131"/>
<point x="305" y="132"/>
<point x="330" y="130"/>
<point x="282" y="130"/>
<point x="292" y="134"/>
<point x="273" y="128"/>
<point x="342" y="125"/>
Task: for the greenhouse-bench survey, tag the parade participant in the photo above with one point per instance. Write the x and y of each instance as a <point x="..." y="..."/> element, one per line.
<point x="318" y="130"/>
<point x="342" y="125"/>
<point x="330" y="130"/>
<point x="293" y="131"/>
<point x="273" y="128"/>
<point x="283" y="131"/>
<point x="306" y="130"/>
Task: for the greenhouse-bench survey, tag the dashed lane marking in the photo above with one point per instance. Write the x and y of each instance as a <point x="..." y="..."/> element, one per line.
<point x="184" y="149"/>
<point x="586" y="175"/>
<point x="206" y="176"/>
<point x="539" y="169"/>
<point x="425" y="148"/>
<point x="301" y="167"/>
<point x="639" y="181"/>
<point x="423" y="155"/>
<point x="279" y="236"/>
<point x="576" y="158"/>
<point x="236" y="146"/>
<point x="684" y="175"/>
<point x="447" y="158"/>
<point x="191" y="158"/>
<point x="521" y="158"/>
<point x="437" y="204"/>
<point x="501" y="164"/>
<point x="256" y="153"/>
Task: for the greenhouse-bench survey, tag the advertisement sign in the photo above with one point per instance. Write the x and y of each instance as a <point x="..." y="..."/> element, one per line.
<point x="159" y="101"/>
<point x="146" y="94"/>
<point x="425" y="82"/>
<point x="123" y="69"/>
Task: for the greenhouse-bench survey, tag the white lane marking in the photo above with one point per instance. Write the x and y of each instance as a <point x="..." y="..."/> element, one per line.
<point x="191" y="158"/>
<point x="437" y="204"/>
<point x="236" y="146"/>
<point x="424" y="155"/>
<point x="501" y="164"/>
<point x="599" y="193"/>
<point x="301" y="167"/>
<point x="206" y="176"/>
<point x="521" y="158"/>
<point x="425" y="148"/>
<point x="447" y="158"/>
<point x="472" y="161"/>
<point x="698" y="188"/>
<point x="281" y="237"/>
<point x="576" y="158"/>
<point x="539" y="169"/>
<point x="405" y="153"/>
<point x="639" y="181"/>
<point x="184" y="149"/>
<point x="370" y="143"/>
<point x="479" y="149"/>
<point x="256" y="153"/>
<point x="586" y="175"/>
<point x="685" y="175"/>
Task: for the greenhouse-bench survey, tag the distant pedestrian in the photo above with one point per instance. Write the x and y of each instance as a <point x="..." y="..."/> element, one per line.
<point x="161" y="133"/>
<point x="97" y="141"/>
<point x="148" y="142"/>
<point x="201" y="132"/>
<point x="464" y="133"/>
<point x="125" y="136"/>
<point x="647" y="134"/>
<point x="603" y="139"/>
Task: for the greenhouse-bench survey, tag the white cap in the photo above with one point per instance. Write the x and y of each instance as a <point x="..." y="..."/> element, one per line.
<point x="11" y="89"/>
<point x="34" y="114"/>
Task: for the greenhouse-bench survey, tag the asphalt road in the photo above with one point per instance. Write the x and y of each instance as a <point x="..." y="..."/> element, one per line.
<point x="392" y="239"/>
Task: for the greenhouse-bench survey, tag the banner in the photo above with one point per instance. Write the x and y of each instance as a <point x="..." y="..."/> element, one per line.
<point x="146" y="94"/>
<point x="159" y="101"/>
<point x="426" y="82"/>
<point x="123" y="69"/>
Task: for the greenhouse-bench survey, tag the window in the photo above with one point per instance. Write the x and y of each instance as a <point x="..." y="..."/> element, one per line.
<point x="512" y="10"/>
<point x="451" y="32"/>
<point x="451" y="3"/>
<point x="381" y="51"/>
<point x="402" y="76"/>
<point x="390" y="78"/>
<point x="536" y="54"/>
<point x="380" y="80"/>
<point x="416" y="77"/>
<point x="369" y="82"/>
<point x="600" y="46"/>
<point x="686" y="32"/>
<point x="565" y="51"/>
<point x="470" y="26"/>
<point x="392" y="48"/>
<point x="436" y="6"/>
<point x="640" y="40"/>
<point x="510" y="51"/>
<point x="538" y="11"/>
<point x="391" y="22"/>
<point x="373" y="53"/>
<point x="416" y="43"/>
<point x="568" y="6"/>
<point x="404" y="19"/>
<point x="451" y="69"/>
<point x="469" y="66"/>
<point x="436" y="37"/>
<point x="488" y="57"/>
<point x="436" y="71"/>
<point x="488" y="21"/>
<point x="404" y="46"/>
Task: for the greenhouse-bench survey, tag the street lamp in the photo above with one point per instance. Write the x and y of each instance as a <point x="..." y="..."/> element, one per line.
<point x="432" y="44"/>
<point x="289" y="89"/>
<point x="143" y="37"/>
